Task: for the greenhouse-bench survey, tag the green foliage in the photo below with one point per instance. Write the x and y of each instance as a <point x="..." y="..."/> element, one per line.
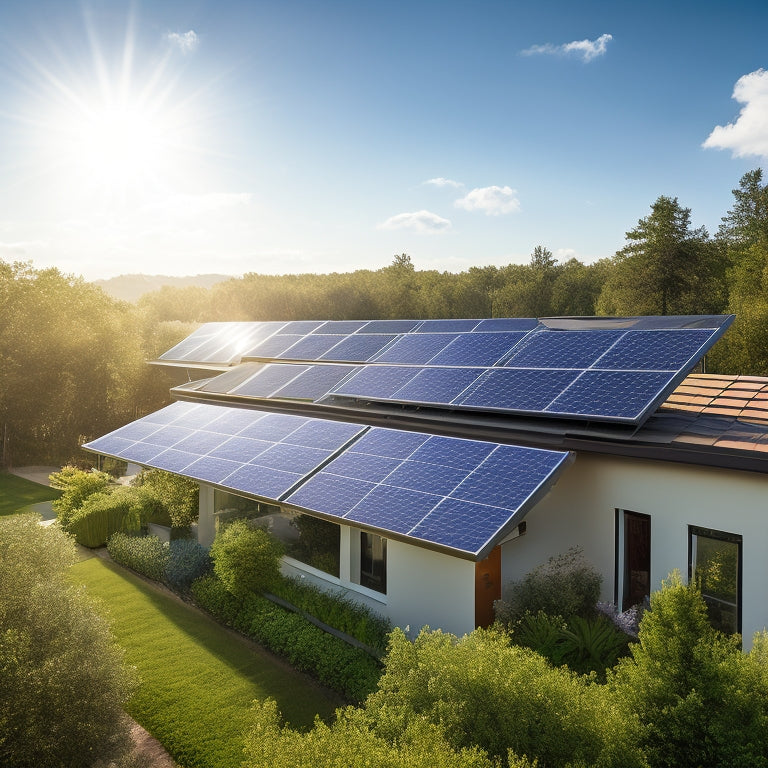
<point x="246" y="559"/>
<point x="146" y="555"/>
<point x="338" y="611"/>
<point x="350" y="742"/>
<point x="666" y="267"/>
<point x="333" y="662"/>
<point x="187" y="560"/>
<point x="485" y="692"/>
<point x="76" y="486"/>
<point x="86" y="350"/>
<point x="566" y="585"/>
<point x="318" y="543"/>
<point x="105" y="513"/>
<point x="177" y="495"/>
<point x="700" y="700"/>
<point x="62" y="680"/>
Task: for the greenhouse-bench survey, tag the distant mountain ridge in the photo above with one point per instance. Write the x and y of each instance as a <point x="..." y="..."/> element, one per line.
<point x="133" y="287"/>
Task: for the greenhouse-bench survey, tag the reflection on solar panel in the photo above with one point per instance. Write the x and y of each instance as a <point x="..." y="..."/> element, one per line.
<point x="220" y="343"/>
<point x="455" y="493"/>
<point x="261" y="454"/>
<point x="559" y="367"/>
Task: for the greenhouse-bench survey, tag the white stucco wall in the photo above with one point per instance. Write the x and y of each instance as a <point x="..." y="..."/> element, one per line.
<point x="580" y="510"/>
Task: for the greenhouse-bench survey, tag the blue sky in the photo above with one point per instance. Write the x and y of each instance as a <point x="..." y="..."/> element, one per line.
<point x="287" y="136"/>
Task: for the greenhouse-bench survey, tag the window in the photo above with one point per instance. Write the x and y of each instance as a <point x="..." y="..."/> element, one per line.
<point x="633" y="558"/>
<point x="373" y="562"/>
<point x="715" y="562"/>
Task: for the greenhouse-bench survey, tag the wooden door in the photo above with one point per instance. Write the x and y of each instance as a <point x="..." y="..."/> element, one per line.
<point x="487" y="587"/>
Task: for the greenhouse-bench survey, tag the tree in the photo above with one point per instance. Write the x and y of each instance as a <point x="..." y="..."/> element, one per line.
<point x="63" y="681"/>
<point x="178" y="495"/>
<point x="747" y="222"/>
<point x="666" y="268"/>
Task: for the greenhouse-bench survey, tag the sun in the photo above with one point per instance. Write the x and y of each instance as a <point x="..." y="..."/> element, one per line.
<point x="113" y="130"/>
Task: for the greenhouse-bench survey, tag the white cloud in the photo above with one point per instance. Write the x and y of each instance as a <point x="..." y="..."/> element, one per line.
<point x="418" y="221"/>
<point x="441" y="182"/>
<point x="586" y="49"/>
<point x="186" y="42"/>
<point x="495" y="201"/>
<point x="749" y="134"/>
<point x="564" y="254"/>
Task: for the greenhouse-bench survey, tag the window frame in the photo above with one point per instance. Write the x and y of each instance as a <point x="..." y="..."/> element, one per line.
<point x="733" y="538"/>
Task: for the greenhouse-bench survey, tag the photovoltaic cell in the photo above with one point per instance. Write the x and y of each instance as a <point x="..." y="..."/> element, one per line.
<point x="358" y="348"/>
<point x="269" y="379"/>
<point x="655" y="350"/>
<point x="340" y="326"/>
<point x="389" y="326"/>
<point x="478" y="349"/>
<point x="261" y="481"/>
<point x="315" y="382"/>
<point x="302" y="326"/>
<point x="437" y="385"/>
<point x="330" y="494"/>
<point x="621" y="394"/>
<point x="447" y="326"/>
<point x="392" y="509"/>
<point x="562" y="349"/>
<point x="506" y="324"/>
<point x="273" y="346"/>
<point x="311" y="347"/>
<point x="508" y="389"/>
<point x="415" y="349"/>
<point x="375" y="381"/>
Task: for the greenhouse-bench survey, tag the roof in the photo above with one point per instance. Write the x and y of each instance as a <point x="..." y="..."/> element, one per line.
<point x="442" y="432"/>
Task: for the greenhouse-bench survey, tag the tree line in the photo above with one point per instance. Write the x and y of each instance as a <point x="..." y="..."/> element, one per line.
<point x="666" y="267"/>
<point x="72" y="359"/>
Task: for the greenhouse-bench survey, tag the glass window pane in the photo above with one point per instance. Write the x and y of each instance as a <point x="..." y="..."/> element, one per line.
<point x="373" y="562"/>
<point x="715" y="566"/>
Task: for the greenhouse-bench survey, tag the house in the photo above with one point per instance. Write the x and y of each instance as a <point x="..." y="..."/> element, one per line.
<point x="421" y="465"/>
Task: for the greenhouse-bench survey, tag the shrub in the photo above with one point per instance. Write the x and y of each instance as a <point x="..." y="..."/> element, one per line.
<point x="186" y="561"/>
<point x="144" y="554"/>
<point x="566" y="585"/>
<point x="104" y="513"/>
<point x="585" y="645"/>
<point x="486" y="692"/>
<point x="352" y="743"/>
<point x="77" y="485"/>
<point x="338" y="611"/>
<point x="246" y="559"/>
<point x="349" y="670"/>
<point x="177" y="495"/>
<point x="699" y="699"/>
<point x="63" y="682"/>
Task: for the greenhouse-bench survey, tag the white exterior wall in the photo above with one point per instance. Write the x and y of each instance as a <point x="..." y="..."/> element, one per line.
<point x="581" y="510"/>
<point x="429" y="588"/>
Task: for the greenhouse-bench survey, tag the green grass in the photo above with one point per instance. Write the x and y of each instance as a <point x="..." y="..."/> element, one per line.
<point x="16" y="493"/>
<point x="198" y="680"/>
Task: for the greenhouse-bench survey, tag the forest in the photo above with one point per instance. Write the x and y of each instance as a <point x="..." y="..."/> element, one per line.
<point x="72" y="359"/>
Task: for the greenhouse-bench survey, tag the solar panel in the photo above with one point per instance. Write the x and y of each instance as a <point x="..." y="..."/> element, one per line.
<point x="340" y="326"/>
<point x="505" y="389"/>
<point x="262" y="454"/>
<point x="389" y="326"/>
<point x="375" y="381"/>
<point x="273" y="346"/>
<point x="437" y="385"/>
<point x="358" y="348"/>
<point x="478" y="349"/>
<point x="415" y="349"/>
<point x="655" y="350"/>
<point x="446" y="326"/>
<point x="314" y="382"/>
<point x="506" y="324"/>
<point x="268" y="379"/>
<point x="562" y="349"/>
<point x="311" y="347"/>
<point x="460" y="494"/>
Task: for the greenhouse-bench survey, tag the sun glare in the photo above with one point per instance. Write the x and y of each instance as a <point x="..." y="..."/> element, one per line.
<point x="110" y="132"/>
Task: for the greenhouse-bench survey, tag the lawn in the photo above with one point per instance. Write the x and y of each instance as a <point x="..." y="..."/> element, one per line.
<point x="17" y="493"/>
<point x="198" y="680"/>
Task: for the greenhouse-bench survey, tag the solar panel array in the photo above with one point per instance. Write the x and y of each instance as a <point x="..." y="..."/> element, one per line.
<point x="616" y="371"/>
<point x="456" y="494"/>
